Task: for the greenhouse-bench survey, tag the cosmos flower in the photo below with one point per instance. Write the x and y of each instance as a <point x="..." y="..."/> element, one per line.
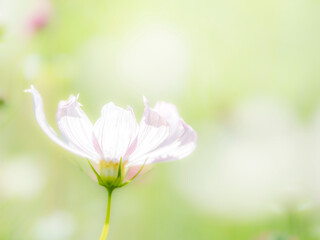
<point x="116" y="142"/>
<point x="24" y="18"/>
<point x="161" y="135"/>
<point x="39" y="16"/>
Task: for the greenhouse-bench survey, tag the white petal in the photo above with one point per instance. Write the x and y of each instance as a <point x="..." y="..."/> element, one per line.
<point x="177" y="148"/>
<point x="42" y="121"/>
<point x="181" y="147"/>
<point x="180" y="142"/>
<point x="169" y="112"/>
<point x="116" y="131"/>
<point x="153" y="131"/>
<point x="77" y="129"/>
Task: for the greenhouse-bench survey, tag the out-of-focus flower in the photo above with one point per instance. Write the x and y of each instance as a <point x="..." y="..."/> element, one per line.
<point x="56" y="226"/>
<point x="260" y="164"/>
<point x="23" y="17"/>
<point x="20" y="178"/>
<point x="153" y="58"/>
<point x="39" y="16"/>
<point x="162" y="135"/>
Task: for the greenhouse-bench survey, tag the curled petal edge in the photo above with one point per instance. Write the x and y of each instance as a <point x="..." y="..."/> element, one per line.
<point x="42" y="121"/>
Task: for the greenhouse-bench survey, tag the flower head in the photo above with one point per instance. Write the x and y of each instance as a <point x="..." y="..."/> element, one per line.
<point x="116" y="142"/>
<point x="39" y="16"/>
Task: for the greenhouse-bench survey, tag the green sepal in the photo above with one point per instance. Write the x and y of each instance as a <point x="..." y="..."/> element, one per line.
<point x="97" y="175"/>
<point x="129" y="181"/>
<point x="120" y="168"/>
<point x="117" y="183"/>
<point x="118" y="180"/>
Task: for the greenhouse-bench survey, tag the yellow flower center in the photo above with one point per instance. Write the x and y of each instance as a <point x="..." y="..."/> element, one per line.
<point x="109" y="171"/>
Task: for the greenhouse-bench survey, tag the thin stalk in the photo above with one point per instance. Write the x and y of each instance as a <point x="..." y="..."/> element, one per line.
<point x="105" y="230"/>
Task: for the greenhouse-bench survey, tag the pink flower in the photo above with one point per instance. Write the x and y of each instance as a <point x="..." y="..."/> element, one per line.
<point x="116" y="137"/>
<point x="39" y="16"/>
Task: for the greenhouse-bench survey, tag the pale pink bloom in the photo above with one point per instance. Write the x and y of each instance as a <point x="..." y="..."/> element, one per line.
<point x="162" y="135"/>
<point x="39" y="16"/>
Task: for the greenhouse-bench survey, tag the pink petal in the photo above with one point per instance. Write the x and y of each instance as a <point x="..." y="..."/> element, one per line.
<point x="179" y="148"/>
<point x="116" y="131"/>
<point x="153" y="131"/>
<point x="39" y="17"/>
<point x="169" y="112"/>
<point x="180" y="142"/>
<point x="76" y="127"/>
<point x="42" y="121"/>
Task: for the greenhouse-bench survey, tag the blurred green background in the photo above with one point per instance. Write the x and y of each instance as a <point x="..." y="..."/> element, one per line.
<point x="245" y="74"/>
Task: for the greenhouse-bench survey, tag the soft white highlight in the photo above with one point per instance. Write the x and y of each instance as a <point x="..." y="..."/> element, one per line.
<point x="59" y="225"/>
<point x="21" y="178"/>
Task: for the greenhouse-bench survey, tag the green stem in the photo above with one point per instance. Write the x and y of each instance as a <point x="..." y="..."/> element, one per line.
<point x="105" y="230"/>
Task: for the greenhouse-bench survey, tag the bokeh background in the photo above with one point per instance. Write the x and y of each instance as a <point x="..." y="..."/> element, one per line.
<point x="245" y="74"/>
